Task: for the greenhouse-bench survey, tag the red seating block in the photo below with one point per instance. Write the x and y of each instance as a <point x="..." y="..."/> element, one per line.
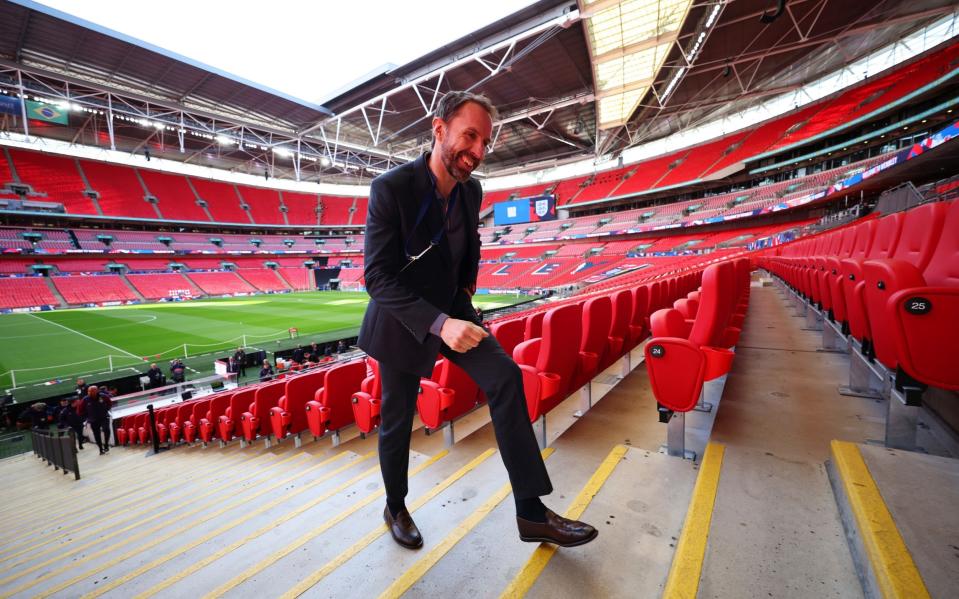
<point x="549" y="363"/>
<point x="230" y="423"/>
<point x="331" y="408"/>
<point x="218" y="407"/>
<point x="256" y="420"/>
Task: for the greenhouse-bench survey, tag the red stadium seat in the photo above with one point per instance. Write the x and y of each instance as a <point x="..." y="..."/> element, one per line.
<point x="366" y="401"/>
<point x="509" y="333"/>
<point x="175" y="421"/>
<point x="191" y="427"/>
<point x="637" y="324"/>
<point x="549" y="363"/>
<point x="887" y="236"/>
<point x="218" y="407"/>
<point x="597" y="317"/>
<point x="230" y="423"/>
<point x="331" y="408"/>
<point x="289" y="417"/>
<point x="448" y="395"/>
<point x="255" y="422"/>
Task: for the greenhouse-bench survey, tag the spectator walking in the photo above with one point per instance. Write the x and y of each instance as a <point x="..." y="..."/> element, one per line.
<point x="98" y="406"/>
<point x="68" y="419"/>
<point x="266" y="373"/>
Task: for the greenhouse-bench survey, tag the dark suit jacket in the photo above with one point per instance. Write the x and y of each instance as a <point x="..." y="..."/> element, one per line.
<point x="403" y="305"/>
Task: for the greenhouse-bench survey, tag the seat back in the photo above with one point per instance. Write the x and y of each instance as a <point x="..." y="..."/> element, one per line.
<point x="534" y="325"/>
<point x="266" y="397"/>
<point x="376" y="384"/>
<point x="184" y="412"/>
<point x="338" y="389"/>
<point x="845" y="245"/>
<point x="200" y="408"/>
<point x="622" y="313"/>
<point x="509" y="333"/>
<point x="301" y="389"/>
<point x="888" y="230"/>
<point x="218" y="405"/>
<point x="559" y="349"/>
<point x="238" y="404"/>
<point x="942" y="269"/>
<point x="597" y="320"/>
<point x="863" y="239"/>
<point x="715" y="305"/>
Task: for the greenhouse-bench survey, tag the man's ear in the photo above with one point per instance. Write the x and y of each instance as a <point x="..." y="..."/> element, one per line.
<point x="439" y="128"/>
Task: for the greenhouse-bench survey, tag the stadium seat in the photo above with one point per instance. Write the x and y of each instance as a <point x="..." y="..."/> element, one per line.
<point x="918" y="308"/>
<point x="549" y="363"/>
<point x="255" y="421"/>
<point x="142" y="424"/>
<point x="447" y="395"/>
<point x="229" y="423"/>
<point x="289" y="417"/>
<point x="534" y="325"/>
<point x="191" y="427"/>
<point x="366" y="401"/>
<point x="175" y="421"/>
<point x="679" y="365"/>
<point x="619" y="332"/>
<point x="884" y="243"/>
<point x="640" y="311"/>
<point x="509" y="333"/>
<point x="163" y="428"/>
<point x="218" y="407"/>
<point x="861" y="241"/>
<point x="597" y="317"/>
<point x="331" y="408"/>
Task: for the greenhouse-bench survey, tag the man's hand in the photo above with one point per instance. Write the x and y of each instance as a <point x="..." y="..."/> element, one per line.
<point x="461" y="335"/>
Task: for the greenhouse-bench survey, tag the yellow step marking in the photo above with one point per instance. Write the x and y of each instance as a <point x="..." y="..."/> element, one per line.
<point x="96" y="520"/>
<point x="146" y="534"/>
<point x="249" y="572"/>
<point x="687" y="566"/>
<point x="380" y="530"/>
<point x="897" y="576"/>
<point x="62" y="552"/>
<point x="101" y="589"/>
<point x="420" y="568"/>
<point x="523" y="581"/>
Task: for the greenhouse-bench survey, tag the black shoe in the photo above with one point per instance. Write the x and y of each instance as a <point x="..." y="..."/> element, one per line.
<point x="557" y="530"/>
<point x="403" y="528"/>
<point x="101" y="451"/>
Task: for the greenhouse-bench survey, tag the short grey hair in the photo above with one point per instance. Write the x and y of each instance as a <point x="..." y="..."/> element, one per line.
<point x="452" y="101"/>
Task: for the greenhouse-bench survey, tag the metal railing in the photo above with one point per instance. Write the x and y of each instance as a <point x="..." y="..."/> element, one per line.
<point x="58" y="448"/>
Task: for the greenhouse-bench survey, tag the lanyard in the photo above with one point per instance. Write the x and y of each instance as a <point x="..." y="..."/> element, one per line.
<point x="424" y="209"/>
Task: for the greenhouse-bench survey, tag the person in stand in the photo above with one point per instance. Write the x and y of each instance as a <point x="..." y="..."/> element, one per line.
<point x="266" y="372"/>
<point x="422" y="255"/>
<point x="81" y="391"/>
<point x="177" y="371"/>
<point x="98" y="405"/>
<point x="36" y="415"/>
<point x="68" y="419"/>
<point x="315" y="350"/>
<point x="156" y="376"/>
<point x="341" y="346"/>
<point x="298" y="354"/>
<point x="239" y="358"/>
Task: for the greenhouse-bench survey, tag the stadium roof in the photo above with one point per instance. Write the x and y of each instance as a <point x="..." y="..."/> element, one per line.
<point x="540" y="65"/>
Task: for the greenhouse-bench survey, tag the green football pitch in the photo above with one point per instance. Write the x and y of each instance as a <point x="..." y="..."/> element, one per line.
<point x="43" y="352"/>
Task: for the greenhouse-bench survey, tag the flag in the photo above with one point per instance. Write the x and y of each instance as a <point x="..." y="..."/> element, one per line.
<point x="9" y="105"/>
<point x="45" y="112"/>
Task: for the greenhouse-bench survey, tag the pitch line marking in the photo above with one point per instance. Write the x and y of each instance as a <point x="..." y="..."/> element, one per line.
<point x="139" y="358"/>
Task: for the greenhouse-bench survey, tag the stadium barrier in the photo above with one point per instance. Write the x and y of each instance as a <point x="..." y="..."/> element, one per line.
<point x="58" y="449"/>
<point x="57" y="370"/>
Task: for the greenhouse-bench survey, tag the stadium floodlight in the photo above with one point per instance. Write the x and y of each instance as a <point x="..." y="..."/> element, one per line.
<point x="325" y="161"/>
<point x="223" y="140"/>
<point x="282" y="152"/>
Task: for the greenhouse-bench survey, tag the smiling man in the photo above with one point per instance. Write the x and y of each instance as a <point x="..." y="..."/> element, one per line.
<point x="422" y="257"/>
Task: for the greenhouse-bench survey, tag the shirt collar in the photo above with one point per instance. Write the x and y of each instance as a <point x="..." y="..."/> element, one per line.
<point x="436" y="190"/>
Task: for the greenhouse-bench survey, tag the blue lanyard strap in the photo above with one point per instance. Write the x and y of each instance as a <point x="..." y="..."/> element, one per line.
<point x="424" y="209"/>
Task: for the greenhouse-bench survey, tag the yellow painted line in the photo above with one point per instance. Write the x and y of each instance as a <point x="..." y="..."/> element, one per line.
<point x="523" y="581"/>
<point x="177" y="504"/>
<point x="101" y="589"/>
<point x="420" y="568"/>
<point x="290" y="548"/>
<point x="95" y="520"/>
<point x="163" y="526"/>
<point x="687" y="567"/>
<point x="110" y="489"/>
<point x="380" y="530"/>
<point x="896" y="573"/>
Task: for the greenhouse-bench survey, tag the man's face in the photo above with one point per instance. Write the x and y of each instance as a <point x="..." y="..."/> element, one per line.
<point x="462" y="141"/>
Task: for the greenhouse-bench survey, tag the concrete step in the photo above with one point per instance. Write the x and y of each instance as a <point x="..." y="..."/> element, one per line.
<point x="56" y="292"/>
<point x="136" y="292"/>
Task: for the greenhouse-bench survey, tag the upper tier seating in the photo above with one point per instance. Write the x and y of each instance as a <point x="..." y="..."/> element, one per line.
<point x="119" y="189"/>
<point x="264" y="204"/>
<point x="175" y="197"/>
<point x="25" y="292"/>
<point x="56" y="176"/>
<point x="301" y="207"/>
<point x="93" y="290"/>
<point x="221" y="199"/>
<point x="336" y="210"/>
<point x="359" y="212"/>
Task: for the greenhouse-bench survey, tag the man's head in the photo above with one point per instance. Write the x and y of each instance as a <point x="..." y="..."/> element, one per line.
<point x="462" y="130"/>
<point x="154" y="365"/>
<point x="92" y="391"/>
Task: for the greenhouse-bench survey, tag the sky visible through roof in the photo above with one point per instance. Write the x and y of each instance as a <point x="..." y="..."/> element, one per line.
<point x="305" y="49"/>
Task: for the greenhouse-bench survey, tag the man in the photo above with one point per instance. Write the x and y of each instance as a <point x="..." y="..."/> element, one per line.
<point x="239" y="358"/>
<point x="266" y="373"/>
<point x="67" y="418"/>
<point x="98" y="404"/>
<point x="422" y="257"/>
<point x="156" y="376"/>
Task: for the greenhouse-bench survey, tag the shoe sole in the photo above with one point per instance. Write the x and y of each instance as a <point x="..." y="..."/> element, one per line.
<point x="582" y="541"/>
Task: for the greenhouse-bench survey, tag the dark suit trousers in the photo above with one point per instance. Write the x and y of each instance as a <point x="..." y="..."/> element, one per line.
<point x="500" y="378"/>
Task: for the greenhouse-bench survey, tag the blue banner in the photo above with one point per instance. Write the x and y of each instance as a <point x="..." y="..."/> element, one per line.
<point x="9" y="105"/>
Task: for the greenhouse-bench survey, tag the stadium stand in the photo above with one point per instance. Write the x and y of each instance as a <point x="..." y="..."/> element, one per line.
<point x="119" y="190"/>
<point x="298" y="278"/>
<point x="26" y="292"/>
<point x="301" y="208"/>
<point x="220" y="283"/>
<point x="164" y="286"/>
<point x="264" y="279"/>
<point x="221" y="200"/>
<point x="55" y="178"/>
<point x="175" y="198"/>
<point x="335" y="210"/>
<point x="264" y="204"/>
<point x="93" y="290"/>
